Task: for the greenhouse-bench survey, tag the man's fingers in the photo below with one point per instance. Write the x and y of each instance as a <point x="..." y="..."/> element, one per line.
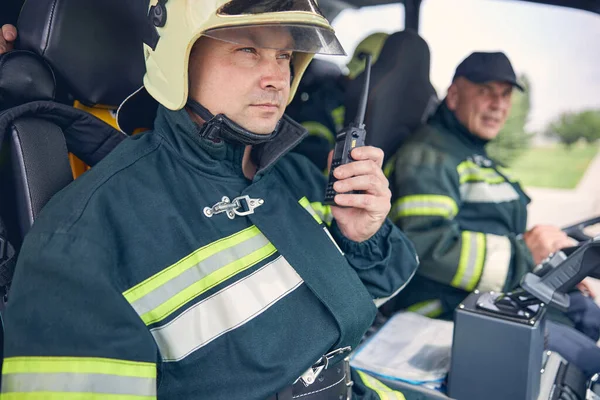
<point x="374" y="154"/>
<point x="9" y="33"/>
<point x="367" y="202"/>
<point x="357" y="168"/>
<point x="372" y="184"/>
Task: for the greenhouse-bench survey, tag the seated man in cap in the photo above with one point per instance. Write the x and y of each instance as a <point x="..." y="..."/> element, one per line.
<point x="465" y="215"/>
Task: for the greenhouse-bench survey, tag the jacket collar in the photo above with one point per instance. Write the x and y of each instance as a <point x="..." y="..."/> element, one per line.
<point x="220" y="158"/>
<point x="446" y="120"/>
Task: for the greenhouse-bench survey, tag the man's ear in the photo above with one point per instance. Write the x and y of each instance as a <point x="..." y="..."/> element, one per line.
<point x="452" y="97"/>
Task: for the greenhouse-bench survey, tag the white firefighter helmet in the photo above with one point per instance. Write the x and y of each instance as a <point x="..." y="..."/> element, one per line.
<point x="177" y="24"/>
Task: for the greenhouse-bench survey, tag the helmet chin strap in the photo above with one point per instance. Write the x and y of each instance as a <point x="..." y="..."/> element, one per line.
<point x="221" y="127"/>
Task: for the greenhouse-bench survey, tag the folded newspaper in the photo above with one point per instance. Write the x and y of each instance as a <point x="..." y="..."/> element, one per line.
<point x="410" y="348"/>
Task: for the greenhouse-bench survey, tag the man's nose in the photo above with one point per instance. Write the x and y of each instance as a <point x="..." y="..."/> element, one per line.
<point x="275" y="74"/>
<point x="499" y="101"/>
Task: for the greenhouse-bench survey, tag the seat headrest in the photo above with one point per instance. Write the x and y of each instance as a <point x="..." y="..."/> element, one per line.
<point x="24" y="77"/>
<point x="94" y="47"/>
<point x="319" y="71"/>
<point x="400" y="94"/>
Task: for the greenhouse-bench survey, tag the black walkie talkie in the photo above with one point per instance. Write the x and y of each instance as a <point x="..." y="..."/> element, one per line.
<point x="350" y="137"/>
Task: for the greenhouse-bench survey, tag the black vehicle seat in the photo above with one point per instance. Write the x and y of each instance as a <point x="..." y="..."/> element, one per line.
<point x="34" y="163"/>
<point x="401" y="96"/>
<point x="93" y="46"/>
<point x="68" y="50"/>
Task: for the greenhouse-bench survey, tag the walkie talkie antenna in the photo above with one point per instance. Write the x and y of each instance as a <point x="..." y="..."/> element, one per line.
<point x="362" y="105"/>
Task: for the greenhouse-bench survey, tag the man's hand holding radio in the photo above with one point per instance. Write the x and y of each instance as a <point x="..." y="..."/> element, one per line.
<point x="362" y="214"/>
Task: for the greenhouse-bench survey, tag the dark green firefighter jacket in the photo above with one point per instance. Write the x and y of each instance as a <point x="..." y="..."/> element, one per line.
<point x="129" y="285"/>
<point x="464" y="214"/>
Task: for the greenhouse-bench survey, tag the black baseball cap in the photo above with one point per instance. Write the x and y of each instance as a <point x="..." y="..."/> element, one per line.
<point x="480" y="67"/>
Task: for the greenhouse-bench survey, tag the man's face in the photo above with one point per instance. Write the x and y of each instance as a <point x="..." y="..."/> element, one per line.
<point x="481" y="107"/>
<point x="248" y="84"/>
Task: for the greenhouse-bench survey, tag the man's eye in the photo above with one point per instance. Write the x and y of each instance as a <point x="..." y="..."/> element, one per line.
<point x="249" y="50"/>
<point x="285" y="56"/>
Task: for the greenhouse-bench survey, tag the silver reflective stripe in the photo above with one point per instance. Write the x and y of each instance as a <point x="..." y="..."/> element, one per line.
<point x="497" y="261"/>
<point x="332" y="240"/>
<point x="198" y="272"/>
<point x="79" y="383"/>
<point x="482" y="192"/>
<point x="226" y="310"/>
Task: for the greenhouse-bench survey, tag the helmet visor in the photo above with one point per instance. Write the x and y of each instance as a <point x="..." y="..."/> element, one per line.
<point x="290" y="37"/>
<point x="249" y="7"/>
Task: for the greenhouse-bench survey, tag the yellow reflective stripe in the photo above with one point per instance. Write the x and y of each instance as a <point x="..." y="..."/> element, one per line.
<point x="71" y="396"/>
<point x="306" y="205"/>
<point x="424" y="205"/>
<point x="428" y="308"/>
<point x="320" y="130"/>
<point x="472" y="257"/>
<point x="338" y="115"/>
<point x="508" y="174"/>
<point x="466" y="165"/>
<point x="382" y="390"/>
<point x="491" y="178"/>
<point x="227" y="310"/>
<point x="479" y="261"/>
<point x="323" y="211"/>
<point x="207" y="283"/>
<point x="80" y="365"/>
<point x="389" y="166"/>
<point x="77" y="377"/>
<point x="152" y="283"/>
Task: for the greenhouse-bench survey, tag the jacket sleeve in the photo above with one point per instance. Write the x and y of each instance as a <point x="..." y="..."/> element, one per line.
<point x="69" y="330"/>
<point x="385" y="263"/>
<point x="426" y="202"/>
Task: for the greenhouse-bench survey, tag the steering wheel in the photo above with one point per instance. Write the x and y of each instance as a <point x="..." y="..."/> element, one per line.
<point x="576" y="231"/>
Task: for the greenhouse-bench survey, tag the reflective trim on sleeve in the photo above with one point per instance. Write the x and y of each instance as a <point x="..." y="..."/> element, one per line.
<point x="77" y="377"/>
<point x="162" y="294"/>
<point x="497" y="262"/>
<point x="384" y="392"/>
<point x="320" y="130"/>
<point x="428" y="308"/>
<point x="472" y="257"/>
<point x="226" y="310"/>
<point x="426" y="205"/>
